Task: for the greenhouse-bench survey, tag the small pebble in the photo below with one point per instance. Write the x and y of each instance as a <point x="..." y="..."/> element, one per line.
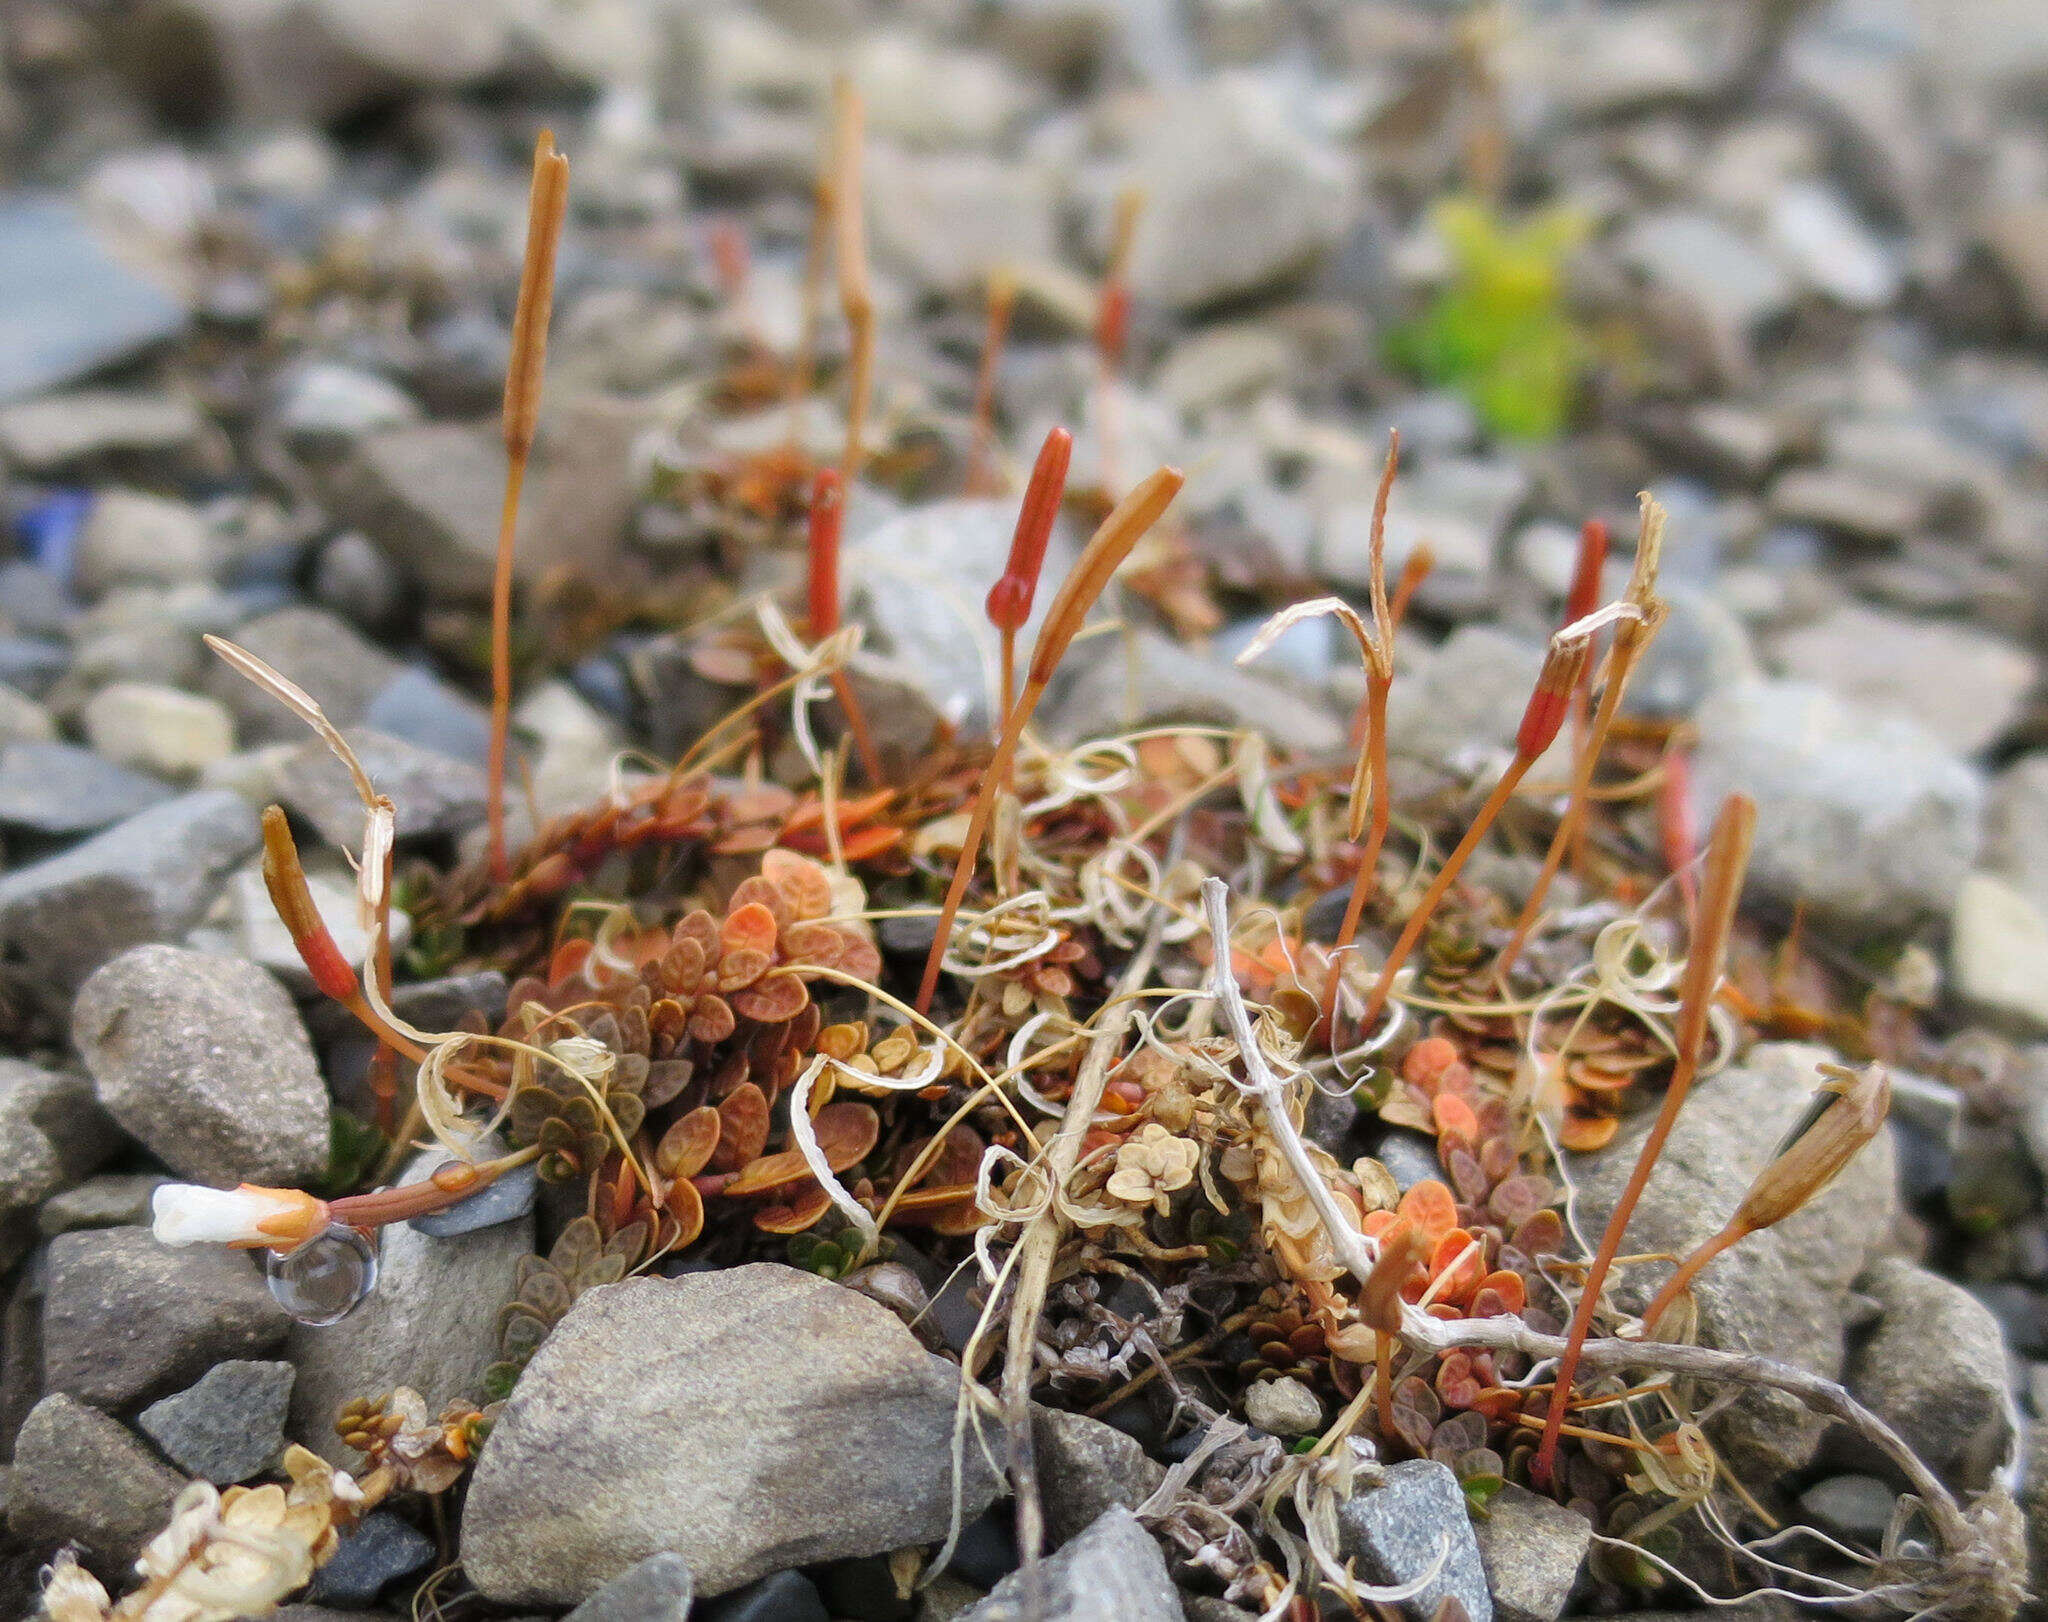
<point x="1284" y="1406"/>
<point x="376" y="1554"/>
<point x="788" y="1596"/>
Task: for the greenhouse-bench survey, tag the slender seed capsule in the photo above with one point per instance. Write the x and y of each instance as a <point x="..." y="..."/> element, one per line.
<point x="1551" y="700"/>
<point x="1009" y="599"/>
<point x="828" y="522"/>
<point x="285" y="879"/>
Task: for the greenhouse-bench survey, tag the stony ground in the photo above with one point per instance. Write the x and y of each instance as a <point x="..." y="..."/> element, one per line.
<point x="258" y="274"/>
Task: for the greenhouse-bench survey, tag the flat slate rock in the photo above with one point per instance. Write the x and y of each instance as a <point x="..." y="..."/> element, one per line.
<point x="67" y="306"/>
<point x="658" y="1589"/>
<point x="59" y="789"/>
<point x="1398" y="1529"/>
<point x="228" y="1425"/>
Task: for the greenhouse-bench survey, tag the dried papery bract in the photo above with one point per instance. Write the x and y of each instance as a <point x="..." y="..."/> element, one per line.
<point x="1541" y="721"/>
<point x="1727" y="859"/>
<point x="1847" y="1111"/>
<point x="1010" y="598"/>
<point x="546" y="206"/>
<point x="856" y="303"/>
<point x="1631" y="637"/>
<point x="1106" y="550"/>
<point x="826" y="529"/>
<point x="1002" y="299"/>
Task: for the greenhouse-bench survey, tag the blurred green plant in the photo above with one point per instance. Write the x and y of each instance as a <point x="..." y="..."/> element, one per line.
<point x="1498" y="331"/>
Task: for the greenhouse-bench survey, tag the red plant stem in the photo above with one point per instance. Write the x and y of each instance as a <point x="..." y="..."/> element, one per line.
<point x="1727" y="856"/>
<point x="501" y="664"/>
<point x="1629" y="640"/>
<point x="1541" y="721"/>
<point x="1690" y="1269"/>
<point x="424" y="1198"/>
<point x="1362" y="879"/>
<point x="1409" y="581"/>
<point x="1106" y="550"/>
<point x="1002" y="298"/>
<point x="827" y="525"/>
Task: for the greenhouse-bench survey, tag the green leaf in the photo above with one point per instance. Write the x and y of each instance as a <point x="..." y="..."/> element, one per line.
<point x="499" y="1379"/>
<point x="354" y="1148"/>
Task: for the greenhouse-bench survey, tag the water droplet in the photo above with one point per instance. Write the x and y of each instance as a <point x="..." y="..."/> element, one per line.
<point x="321" y="1281"/>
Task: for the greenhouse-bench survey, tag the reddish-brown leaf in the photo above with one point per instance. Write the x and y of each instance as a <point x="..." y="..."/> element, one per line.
<point x="744" y="1112"/>
<point x="747" y="928"/>
<point x="806" y="885"/>
<point x="846" y="1132"/>
<point x="777" y="996"/>
<point x="687" y="1146"/>
<point x="711" y="1019"/>
<point x="802" y="1210"/>
<point x="742" y="966"/>
<point x="686" y="1205"/>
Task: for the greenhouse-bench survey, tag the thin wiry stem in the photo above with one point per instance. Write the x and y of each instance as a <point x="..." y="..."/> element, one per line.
<point x="1002" y="298"/>
<point x="1727" y="858"/>
<point x="856" y="301"/>
<point x="1106" y="550"/>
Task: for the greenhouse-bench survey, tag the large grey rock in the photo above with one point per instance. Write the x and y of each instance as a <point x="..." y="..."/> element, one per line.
<point x="1962" y="683"/>
<point x="70" y="306"/>
<point x="428" y="494"/>
<point x="2016" y="827"/>
<point x="1086" y="1467"/>
<point x="950" y="218"/>
<point x="1237" y="196"/>
<point x="60" y="431"/>
<point x="227" y="1426"/>
<point x="1864" y="817"/>
<point x="1397" y="1530"/>
<point x="1111" y="687"/>
<point x="431" y="1323"/>
<point x="1460" y="706"/>
<point x="749" y="1420"/>
<point x="341" y="671"/>
<point x="1935" y="1371"/>
<point x="1781" y="1293"/>
<point x="1998" y="955"/>
<point x="1111" y="1572"/>
<point x="206" y="1061"/>
<point x="1715" y="283"/>
<point x="432" y="793"/>
<point x="157" y="728"/>
<point x="918" y="580"/>
<point x="59" y="789"/>
<point x="111" y="1200"/>
<point x="79" y="1475"/>
<point x="52" y="1132"/>
<point x="126" y="1320"/>
<point x="147" y="878"/>
<point x="132" y="537"/>
<point x="1532" y="1548"/>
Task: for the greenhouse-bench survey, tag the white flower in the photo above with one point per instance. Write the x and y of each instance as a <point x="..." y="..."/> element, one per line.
<point x="187" y="1214"/>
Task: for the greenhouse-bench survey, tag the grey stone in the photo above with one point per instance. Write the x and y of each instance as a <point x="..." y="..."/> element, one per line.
<point x="262" y="937"/>
<point x="326" y="404"/>
<point x="23" y="720"/>
<point x="158" y="729"/>
<point x="1460" y="506"/>
<point x="1111" y="1572"/>
<point x="431" y="1323"/>
<point x="1085" y="1467"/>
<point x="506" y="1200"/>
<point x="31" y="663"/>
<point x="658" y="1411"/>
<point x="1204" y="1608"/>
<point x="58" y="788"/>
<point x="1716" y="280"/>
<point x="1782" y="1293"/>
<point x="1850" y="502"/>
<point x="126" y="1320"/>
<point x="1700" y="649"/>
<point x="356" y="581"/>
<point x="421" y="709"/>
<point x="428" y="494"/>
<point x="1864" y="817"/>
<point x="1935" y="1371"/>
<point x="657" y="1589"/>
<point x="1829" y="248"/>
<point x="1459" y="707"/>
<point x="1285" y="1407"/>
<point x="228" y="1426"/>
<point x="1851" y="1506"/>
<point x="204" y="1060"/>
<point x="1998" y="955"/>
<point x="59" y="431"/>
<point x="71" y="307"/>
<point x="433" y="793"/>
<point x="1237" y="195"/>
<point x="918" y="580"/>
<point x="380" y="1550"/>
<point x="1532" y="1548"/>
<point x="1111" y="686"/>
<point x="341" y="671"/>
<point x="949" y="218"/>
<point x="2016" y="827"/>
<point x="144" y="879"/>
<point x="1401" y="1527"/>
<point x="115" y="1200"/>
<point x="1962" y="683"/>
<point x="52" y="1132"/>
<point x="131" y="537"/>
<point x="79" y="1475"/>
<point x="1225" y="364"/>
